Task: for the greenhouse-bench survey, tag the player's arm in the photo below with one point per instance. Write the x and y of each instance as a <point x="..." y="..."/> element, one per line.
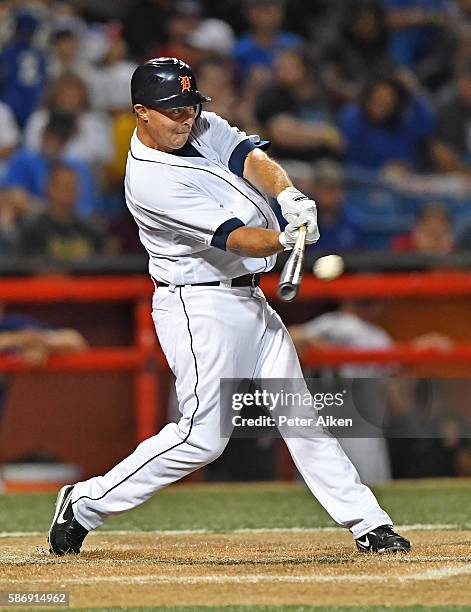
<point x="269" y="177"/>
<point x="263" y="172"/>
<point x="254" y="242"/>
<point x="260" y="242"/>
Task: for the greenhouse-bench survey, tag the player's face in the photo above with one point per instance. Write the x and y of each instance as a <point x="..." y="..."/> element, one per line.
<point x="170" y="128"/>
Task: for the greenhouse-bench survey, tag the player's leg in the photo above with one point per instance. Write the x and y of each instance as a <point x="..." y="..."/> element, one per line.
<point x="204" y="338"/>
<point x="328" y="472"/>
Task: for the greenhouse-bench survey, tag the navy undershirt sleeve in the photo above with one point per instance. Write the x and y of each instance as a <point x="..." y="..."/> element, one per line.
<point x="221" y="234"/>
<point x="238" y="155"/>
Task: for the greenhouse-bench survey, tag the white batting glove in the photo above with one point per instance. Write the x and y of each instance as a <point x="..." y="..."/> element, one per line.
<point x="289" y="235"/>
<point x="293" y="201"/>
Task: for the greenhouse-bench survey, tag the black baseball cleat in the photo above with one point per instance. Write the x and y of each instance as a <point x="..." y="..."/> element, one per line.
<point x="66" y="533"/>
<point x="383" y="540"/>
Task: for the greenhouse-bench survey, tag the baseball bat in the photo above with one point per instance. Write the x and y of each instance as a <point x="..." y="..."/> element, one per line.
<point x="292" y="273"/>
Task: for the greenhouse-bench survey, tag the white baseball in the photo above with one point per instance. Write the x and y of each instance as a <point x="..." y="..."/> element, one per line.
<point x="328" y="267"/>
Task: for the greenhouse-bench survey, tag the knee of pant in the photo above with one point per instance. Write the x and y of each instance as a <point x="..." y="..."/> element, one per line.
<point x="215" y="450"/>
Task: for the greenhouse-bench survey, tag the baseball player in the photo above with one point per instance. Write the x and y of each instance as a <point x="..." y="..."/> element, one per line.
<point x="196" y="188"/>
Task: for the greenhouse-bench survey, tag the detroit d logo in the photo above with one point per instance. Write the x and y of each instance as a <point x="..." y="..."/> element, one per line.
<point x="185" y="83"/>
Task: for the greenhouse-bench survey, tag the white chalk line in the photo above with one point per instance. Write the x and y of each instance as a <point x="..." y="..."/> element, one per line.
<point x="427" y="575"/>
<point x="169" y="532"/>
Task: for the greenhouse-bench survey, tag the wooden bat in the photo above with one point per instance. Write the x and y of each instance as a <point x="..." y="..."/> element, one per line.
<point x="292" y="273"/>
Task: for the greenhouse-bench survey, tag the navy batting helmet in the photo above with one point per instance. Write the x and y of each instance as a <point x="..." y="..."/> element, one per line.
<point x="165" y="82"/>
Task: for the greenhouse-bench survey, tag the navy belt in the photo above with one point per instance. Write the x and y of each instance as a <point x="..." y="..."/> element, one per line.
<point x="248" y="280"/>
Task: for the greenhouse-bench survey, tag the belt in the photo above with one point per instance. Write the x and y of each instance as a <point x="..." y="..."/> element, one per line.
<point x="248" y="280"/>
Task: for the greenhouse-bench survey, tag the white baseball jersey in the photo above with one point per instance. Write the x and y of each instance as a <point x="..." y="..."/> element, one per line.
<point x="187" y="202"/>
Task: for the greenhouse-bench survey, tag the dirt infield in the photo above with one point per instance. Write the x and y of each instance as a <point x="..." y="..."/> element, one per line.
<point x="322" y="568"/>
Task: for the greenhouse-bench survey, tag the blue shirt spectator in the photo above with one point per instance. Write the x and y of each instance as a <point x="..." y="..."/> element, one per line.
<point x="339" y="236"/>
<point x="338" y="228"/>
<point x="22" y="70"/>
<point x="414" y="26"/>
<point x="29" y="169"/>
<point x="388" y="126"/>
<point x="259" y="46"/>
<point x="248" y="52"/>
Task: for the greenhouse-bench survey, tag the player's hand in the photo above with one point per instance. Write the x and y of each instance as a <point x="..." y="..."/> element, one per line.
<point x="290" y="234"/>
<point x="293" y="202"/>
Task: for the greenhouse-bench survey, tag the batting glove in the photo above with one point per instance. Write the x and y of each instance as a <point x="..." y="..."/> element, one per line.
<point x="290" y="234"/>
<point x="292" y="202"/>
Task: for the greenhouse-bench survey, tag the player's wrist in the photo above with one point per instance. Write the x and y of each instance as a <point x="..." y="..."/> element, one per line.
<point x="293" y="202"/>
<point x="285" y="242"/>
<point x="290" y="194"/>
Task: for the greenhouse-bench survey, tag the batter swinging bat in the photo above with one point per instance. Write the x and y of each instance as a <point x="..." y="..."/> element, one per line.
<point x="292" y="272"/>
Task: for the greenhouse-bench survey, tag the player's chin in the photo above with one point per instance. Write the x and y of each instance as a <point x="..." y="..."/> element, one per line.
<point x="181" y="139"/>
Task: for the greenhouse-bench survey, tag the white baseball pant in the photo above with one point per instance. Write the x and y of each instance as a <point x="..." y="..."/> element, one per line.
<point x="209" y="333"/>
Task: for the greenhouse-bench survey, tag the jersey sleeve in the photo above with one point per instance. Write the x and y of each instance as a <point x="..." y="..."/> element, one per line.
<point x="190" y="213"/>
<point x="230" y="144"/>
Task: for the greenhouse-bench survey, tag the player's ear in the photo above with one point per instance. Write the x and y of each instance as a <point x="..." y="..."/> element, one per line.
<point x="141" y="112"/>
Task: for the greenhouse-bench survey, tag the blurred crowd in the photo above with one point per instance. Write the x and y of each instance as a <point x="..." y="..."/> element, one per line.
<point x="367" y="103"/>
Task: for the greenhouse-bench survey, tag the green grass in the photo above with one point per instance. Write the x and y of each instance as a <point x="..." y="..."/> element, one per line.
<point x="226" y="507"/>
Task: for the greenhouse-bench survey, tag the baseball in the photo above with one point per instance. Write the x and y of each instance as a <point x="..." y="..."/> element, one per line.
<point x="328" y="267"/>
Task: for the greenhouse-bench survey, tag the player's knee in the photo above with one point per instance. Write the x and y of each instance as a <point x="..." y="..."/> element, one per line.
<point x="214" y="450"/>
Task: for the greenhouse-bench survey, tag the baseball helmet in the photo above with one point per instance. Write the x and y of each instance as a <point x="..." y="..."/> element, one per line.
<point x="165" y="82"/>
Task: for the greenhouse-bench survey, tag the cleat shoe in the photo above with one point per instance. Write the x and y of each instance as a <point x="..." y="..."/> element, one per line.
<point x="383" y="540"/>
<point x="66" y="533"/>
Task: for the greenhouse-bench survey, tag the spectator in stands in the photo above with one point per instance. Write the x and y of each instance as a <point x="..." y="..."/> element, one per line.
<point x="22" y="69"/>
<point x="452" y="147"/>
<point x="58" y="235"/>
<point x="27" y="170"/>
<point x="112" y="77"/>
<point x="339" y="230"/>
<point x="216" y="76"/>
<point x="389" y="126"/>
<point x="113" y="74"/>
<point x="259" y="46"/>
<point x="432" y="233"/>
<point x="423" y="37"/>
<point x="9" y="136"/>
<point x="144" y="23"/>
<point x="359" y="51"/>
<point x="183" y="20"/>
<point x="34" y="342"/>
<point x="294" y="112"/>
<point x="92" y="140"/>
<point x="65" y="57"/>
<point x="16" y="207"/>
<point x="213" y="37"/>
